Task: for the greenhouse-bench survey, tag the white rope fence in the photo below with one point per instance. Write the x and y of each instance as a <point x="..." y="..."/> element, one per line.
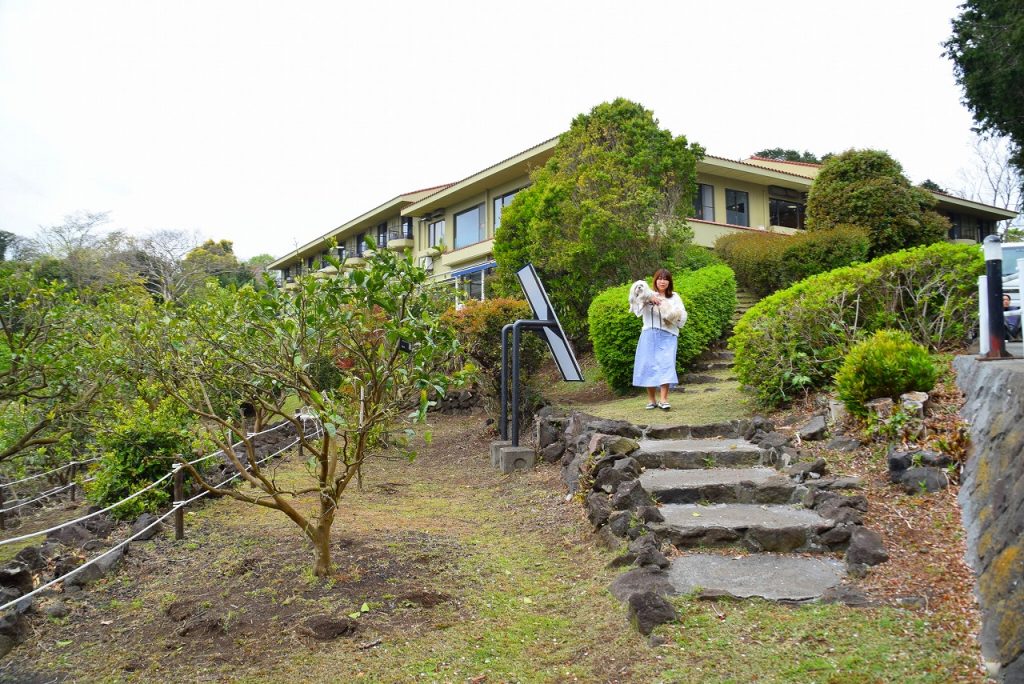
<point x="45" y="495"/>
<point x="176" y="505"/>
<point x="49" y="472"/>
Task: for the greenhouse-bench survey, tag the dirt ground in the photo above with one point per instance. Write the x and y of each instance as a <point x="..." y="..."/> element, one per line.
<point x="446" y="570"/>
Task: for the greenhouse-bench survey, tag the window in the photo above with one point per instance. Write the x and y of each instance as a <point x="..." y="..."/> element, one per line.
<point x="704" y="202"/>
<point x="341" y="253"/>
<point x="382" y="235"/>
<point x="785" y="213"/>
<point x="435" y="233"/>
<point x="407" y="227"/>
<point x="469" y="227"/>
<point x="499" y="205"/>
<point x="473" y="285"/>
<point x="361" y="245"/>
<point x="786" y="207"/>
<point x="737" y="205"/>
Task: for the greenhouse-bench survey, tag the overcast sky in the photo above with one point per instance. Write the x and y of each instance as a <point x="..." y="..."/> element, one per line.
<point x="269" y="123"/>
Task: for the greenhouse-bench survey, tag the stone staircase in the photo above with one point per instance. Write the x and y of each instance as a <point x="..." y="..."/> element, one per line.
<point x="746" y="517"/>
<point x="744" y="300"/>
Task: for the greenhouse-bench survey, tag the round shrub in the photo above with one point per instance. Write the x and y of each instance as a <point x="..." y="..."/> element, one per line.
<point x="867" y="188"/>
<point x="478" y="326"/>
<point x="887" y="364"/>
<point x="709" y="295"/>
<point x="796" y="339"/>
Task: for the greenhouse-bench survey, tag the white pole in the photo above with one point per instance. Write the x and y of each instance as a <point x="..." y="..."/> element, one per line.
<point x="983" y="341"/>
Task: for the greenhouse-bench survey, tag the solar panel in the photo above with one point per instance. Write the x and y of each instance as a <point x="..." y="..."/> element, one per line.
<point x="554" y="335"/>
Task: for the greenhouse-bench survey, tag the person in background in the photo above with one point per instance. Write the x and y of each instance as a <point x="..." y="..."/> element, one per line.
<point x="663" y="314"/>
<point x="1011" y="319"/>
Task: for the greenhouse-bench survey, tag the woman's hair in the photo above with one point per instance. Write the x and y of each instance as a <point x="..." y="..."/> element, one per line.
<point x="663" y="273"/>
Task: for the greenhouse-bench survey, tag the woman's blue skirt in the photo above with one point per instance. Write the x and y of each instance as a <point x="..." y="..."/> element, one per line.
<point x="655" y="362"/>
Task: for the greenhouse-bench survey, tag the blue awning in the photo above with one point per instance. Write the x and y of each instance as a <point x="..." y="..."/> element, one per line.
<point x="469" y="270"/>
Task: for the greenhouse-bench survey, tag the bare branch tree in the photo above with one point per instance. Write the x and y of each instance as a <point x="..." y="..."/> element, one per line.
<point x="992" y="178"/>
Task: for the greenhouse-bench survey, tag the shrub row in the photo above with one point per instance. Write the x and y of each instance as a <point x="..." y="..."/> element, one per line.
<point x="766" y="262"/>
<point x="709" y="295"/>
<point x="796" y="339"/>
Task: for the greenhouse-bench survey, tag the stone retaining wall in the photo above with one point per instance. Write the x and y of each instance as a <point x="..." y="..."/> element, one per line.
<point x="992" y="498"/>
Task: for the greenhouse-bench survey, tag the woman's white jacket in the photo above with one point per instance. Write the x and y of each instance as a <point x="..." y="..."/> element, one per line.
<point x="669" y="316"/>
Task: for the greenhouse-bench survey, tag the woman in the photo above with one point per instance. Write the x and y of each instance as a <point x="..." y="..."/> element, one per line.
<point x="663" y="315"/>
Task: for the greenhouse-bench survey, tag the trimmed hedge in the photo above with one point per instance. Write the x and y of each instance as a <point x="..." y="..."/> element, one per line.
<point x="796" y="339"/>
<point x="767" y="262"/>
<point x="709" y="295"/>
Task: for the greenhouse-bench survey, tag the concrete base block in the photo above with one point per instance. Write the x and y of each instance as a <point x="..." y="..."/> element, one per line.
<point x="496" y="447"/>
<point x="516" y="458"/>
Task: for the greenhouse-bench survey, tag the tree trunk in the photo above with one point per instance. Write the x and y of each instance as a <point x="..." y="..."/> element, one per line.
<point x="322" y="552"/>
<point x="322" y="538"/>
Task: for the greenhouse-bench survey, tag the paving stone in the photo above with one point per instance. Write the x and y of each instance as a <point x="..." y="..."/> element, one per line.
<point x="763" y="528"/>
<point x="765" y="575"/>
<point x="697" y="453"/>
<point x="718" y="485"/>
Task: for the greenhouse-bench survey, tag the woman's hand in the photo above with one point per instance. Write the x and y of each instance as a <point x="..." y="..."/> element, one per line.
<point x="656" y="300"/>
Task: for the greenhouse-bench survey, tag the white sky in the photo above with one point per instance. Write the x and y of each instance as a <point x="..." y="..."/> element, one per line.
<point x="269" y="123"/>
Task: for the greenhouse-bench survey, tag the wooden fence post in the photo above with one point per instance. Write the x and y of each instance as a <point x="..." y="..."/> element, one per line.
<point x="72" y="471"/>
<point x="179" y="496"/>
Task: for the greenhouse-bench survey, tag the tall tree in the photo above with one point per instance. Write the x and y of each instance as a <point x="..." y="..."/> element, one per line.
<point x="986" y="49"/>
<point x="217" y="259"/>
<point x="609" y="206"/>
<point x="780" y="154"/>
<point x="867" y="188"/>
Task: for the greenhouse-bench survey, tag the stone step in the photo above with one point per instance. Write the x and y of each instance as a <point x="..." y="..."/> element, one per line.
<point x="764" y="575"/>
<point x="717" y="355"/>
<point x="698" y="379"/>
<point x="718" y="485"/>
<point x="697" y="453"/>
<point x="755" y="527"/>
<point x="712" y="365"/>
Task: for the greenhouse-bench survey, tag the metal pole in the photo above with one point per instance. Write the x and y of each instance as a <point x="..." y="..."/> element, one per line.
<point x="503" y="418"/>
<point x="3" y="516"/>
<point x="179" y="496"/>
<point x="994" y="275"/>
<point x="516" y="339"/>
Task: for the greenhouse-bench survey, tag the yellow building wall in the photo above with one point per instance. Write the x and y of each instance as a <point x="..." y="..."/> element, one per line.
<point x="453" y="259"/>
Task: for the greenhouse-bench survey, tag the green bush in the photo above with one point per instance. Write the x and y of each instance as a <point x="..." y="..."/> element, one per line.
<point x="796" y="339"/>
<point x="710" y="299"/>
<point x="867" y="188"/>
<point x="478" y="327"/>
<point x="887" y="364"/>
<point x="138" y="448"/>
<point x="691" y="257"/>
<point x="766" y="262"/>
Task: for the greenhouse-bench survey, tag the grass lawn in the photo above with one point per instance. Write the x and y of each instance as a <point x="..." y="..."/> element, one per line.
<point x="453" y="573"/>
